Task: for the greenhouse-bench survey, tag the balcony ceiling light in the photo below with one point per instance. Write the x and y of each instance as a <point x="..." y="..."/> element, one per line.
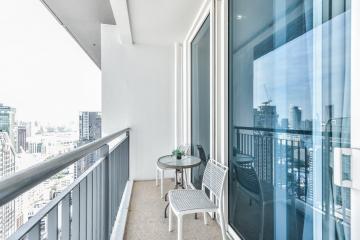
<point x="239" y="17"/>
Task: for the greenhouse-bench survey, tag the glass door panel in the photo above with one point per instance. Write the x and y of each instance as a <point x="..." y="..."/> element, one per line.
<point x="289" y="87"/>
<point x="200" y="99"/>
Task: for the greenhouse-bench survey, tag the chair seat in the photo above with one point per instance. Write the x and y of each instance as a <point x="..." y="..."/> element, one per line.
<point x="190" y="200"/>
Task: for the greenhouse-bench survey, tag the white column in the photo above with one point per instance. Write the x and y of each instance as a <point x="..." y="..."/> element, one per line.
<point x="178" y="98"/>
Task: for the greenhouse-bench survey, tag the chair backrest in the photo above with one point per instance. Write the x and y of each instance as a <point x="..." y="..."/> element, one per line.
<point x="185" y="148"/>
<point x="202" y="154"/>
<point x="214" y="177"/>
<point x="247" y="178"/>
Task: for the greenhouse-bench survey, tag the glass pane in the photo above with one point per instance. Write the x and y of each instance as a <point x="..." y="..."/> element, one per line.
<point x="200" y="99"/>
<point x="289" y="102"/>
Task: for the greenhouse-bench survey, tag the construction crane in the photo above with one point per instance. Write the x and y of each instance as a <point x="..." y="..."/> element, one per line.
<point x="266" y="103"/>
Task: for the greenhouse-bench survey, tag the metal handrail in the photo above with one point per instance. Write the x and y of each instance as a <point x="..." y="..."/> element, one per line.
<point x="14" y="185"/>
<point x="276" y="130"/>
<point x="25" y="228"/>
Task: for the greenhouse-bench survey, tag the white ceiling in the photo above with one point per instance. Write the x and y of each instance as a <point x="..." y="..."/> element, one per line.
<point x="161" y="22"/>
<point x="82" y="18"/>
<point x="154" y="22"/>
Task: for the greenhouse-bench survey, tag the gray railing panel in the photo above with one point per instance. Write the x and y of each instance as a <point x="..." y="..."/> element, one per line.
<point x="98" y="199"/>
<point x="53" y="224"/>
<point x="89" y="207"/>
<point x="95" y="204"/>
<point x="75" y="218"/>
<point x="101" y="200"/>
<point x="83" y="209"/>
<point x="65" y="218"/>
<point x="112" y="162"/>
<point x="34" y="233"/>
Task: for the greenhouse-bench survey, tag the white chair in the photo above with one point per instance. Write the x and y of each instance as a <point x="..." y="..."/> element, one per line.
<point x="189" y="201"/>
<point x="160" y="170"/>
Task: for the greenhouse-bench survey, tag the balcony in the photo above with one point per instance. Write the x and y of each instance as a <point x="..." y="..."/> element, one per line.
<point x="102" y="203"/>
<point x="266" y="89"/>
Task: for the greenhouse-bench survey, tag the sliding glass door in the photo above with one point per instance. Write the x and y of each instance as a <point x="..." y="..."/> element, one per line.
<point x="289" y="123"/>
<point x="200" y="99"/>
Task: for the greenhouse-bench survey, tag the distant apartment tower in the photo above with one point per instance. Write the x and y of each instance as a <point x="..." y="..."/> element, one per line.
<point x="329" y="113"/>
<point x="21" y="139"/>
<point x="89" y="130"/>
<point x="265" y="117"/>
<point x="284" y="123"/>
<point x="306" y="125"/>
<point x="7" y="167"/>
<point x="7" y="122"/>
<point x="27" y="126"/>
<point x="89" y="126"/>
<point x="295" y="118"/>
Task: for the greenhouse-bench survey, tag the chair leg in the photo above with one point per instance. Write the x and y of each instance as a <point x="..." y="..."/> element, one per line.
<point x="205" y="218"/>
<point x="261" y="234"/>
<point x="170" y="219"/>
<point x="222" y="224"/>
<point x="185" y="179"/>
<point x="180" y="227"/>
<point x="162" y="183"/>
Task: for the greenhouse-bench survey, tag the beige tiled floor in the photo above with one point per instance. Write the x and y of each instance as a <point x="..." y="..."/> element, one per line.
<point x="146" y="217"/>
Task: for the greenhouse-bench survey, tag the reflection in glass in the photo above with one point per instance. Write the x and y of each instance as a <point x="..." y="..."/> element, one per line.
<point x="289" y="111"/>
<point x="200" y="99"/>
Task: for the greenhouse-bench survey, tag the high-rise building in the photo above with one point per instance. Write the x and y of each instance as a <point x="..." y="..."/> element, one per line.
<point x="27" y="126"/>
<point x="21" y="138"/>
<point x="306" y="125"/>
<point x="89" y="126"/>
<point x="265" y="116"/>
<point x="7" y="167"/>
<point x="328" y="113"/>
<point x="295" y="118"/>
<point x="89" y="130"/>
<point x="7" y="122"/>
<point x="284" y="123"/>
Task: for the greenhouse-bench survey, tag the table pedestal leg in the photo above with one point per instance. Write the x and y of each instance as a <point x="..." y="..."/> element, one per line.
<point x="177" y="185"/>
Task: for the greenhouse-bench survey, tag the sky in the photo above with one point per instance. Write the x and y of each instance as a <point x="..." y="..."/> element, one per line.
<point x="44" y="73"/>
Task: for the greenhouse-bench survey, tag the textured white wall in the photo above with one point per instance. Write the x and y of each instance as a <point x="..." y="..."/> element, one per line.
<point x="138" y="92"/>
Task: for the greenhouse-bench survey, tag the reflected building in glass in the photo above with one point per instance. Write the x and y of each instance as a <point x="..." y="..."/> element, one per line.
<point x="266" y="116"/>
<point x="295" y="117"/>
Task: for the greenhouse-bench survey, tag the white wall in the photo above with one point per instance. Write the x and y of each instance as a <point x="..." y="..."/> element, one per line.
<point x="137" y="92"/>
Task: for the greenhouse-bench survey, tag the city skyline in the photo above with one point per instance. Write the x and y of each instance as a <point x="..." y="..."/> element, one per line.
<point x="266" y="116"/>
<point x="23" y="144"/>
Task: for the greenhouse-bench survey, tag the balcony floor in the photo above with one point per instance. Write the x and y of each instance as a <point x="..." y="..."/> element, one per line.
<point x="146" y="217"/>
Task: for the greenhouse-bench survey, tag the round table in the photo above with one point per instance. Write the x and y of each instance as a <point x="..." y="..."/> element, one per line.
<point x="171" y="162"/>
<point x="243" y="159"/>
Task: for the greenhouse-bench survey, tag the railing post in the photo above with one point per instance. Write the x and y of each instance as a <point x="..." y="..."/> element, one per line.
<point x="106" y="210"/>
<point x="128" y="154"/>
<point x="238" y="140"/>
